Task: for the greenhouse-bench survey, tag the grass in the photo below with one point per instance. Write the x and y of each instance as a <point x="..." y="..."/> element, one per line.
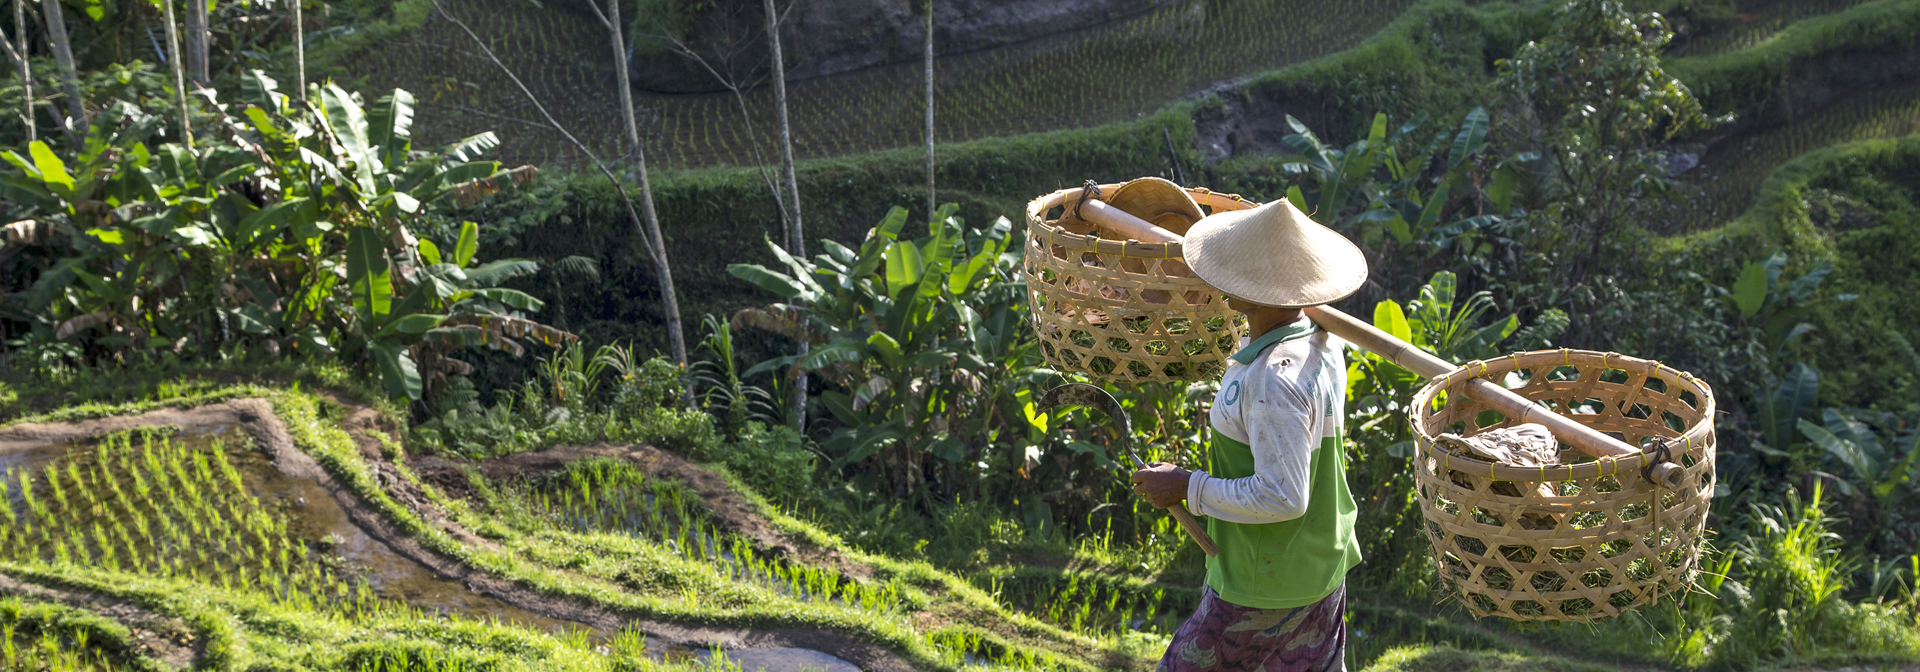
<point x="172" y="525"/>
<point x="1749" y="80"/>
<point x="56" y="638"/>
<point x="1448" y="659"/>
<point x="607" y="496"/>
<point x="1728" y="180"/>
<point x="607" y="534"/>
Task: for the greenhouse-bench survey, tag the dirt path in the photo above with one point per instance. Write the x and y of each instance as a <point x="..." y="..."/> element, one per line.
<point x="163" y="638"/>
<point x="257" y="419"/>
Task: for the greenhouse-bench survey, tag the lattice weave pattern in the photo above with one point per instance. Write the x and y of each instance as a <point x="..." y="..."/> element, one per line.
<point x="1124" y="310"/>
<point x="1588" y="538"/>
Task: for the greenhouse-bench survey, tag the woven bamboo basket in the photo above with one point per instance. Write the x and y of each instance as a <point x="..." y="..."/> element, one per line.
<point x="1124" y="310"/>
<point x="1586" y="539"/>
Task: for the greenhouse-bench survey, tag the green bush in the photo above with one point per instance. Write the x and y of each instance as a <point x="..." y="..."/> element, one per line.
<point x="774" y="460"/>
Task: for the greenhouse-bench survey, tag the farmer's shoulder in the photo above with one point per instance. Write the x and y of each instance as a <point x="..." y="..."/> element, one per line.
<point x="1276" y="376"/>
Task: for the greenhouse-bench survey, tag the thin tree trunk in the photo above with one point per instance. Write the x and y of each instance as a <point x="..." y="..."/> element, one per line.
<point x="299" y="54"/>
<point x="26" y="68"/>
<point x="796" y="240"/>
<point x="626" y="96"/>
<point x="56" y="22"/>
<point x="179" y="73"/>
<point x="611" y="19"/>
<point x="197" y="39"/>
<point x="796" y="243"/>
<point x="656" y="247"/>
<point x="932" y="200"/>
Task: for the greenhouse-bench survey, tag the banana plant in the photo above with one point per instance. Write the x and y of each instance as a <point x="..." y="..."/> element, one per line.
<point x="1878" y="469"/>
<point x="451" y="303"/>
<point x="286" y="227"/>
<point x="1409" y="203"/>
<point x="918" y="337"/>
<point x="1763" y="298"/>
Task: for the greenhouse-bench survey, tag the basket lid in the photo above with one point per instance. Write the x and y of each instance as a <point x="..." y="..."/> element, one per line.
<point x="1158" y="201"/>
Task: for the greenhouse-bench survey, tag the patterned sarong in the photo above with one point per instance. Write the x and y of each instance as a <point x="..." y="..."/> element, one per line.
<point x="1222" y="637"/>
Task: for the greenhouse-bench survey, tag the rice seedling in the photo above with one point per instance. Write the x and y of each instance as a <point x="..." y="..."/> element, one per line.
<point x="1758" y="22"/>
<point x="1724" y="184"/>
<point x="1090" y="604"/>
<point x="1097" y="75"/>
<point x="149" y="502"/>
<point x="51" y="638"/>
<point x="601" y="495"/>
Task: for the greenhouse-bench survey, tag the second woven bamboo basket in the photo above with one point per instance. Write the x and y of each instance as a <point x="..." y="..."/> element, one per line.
<point x="1586" y="539"/>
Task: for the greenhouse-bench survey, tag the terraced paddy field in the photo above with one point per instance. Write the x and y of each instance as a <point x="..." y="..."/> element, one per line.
<point x="1723" y="185"/>
<point x="272" y="532"/>
<point x="1759" y="21"/>
<point x="1094" y="76"/>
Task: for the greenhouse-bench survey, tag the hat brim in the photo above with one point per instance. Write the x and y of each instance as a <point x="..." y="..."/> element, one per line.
<point x="1274" y="255"/>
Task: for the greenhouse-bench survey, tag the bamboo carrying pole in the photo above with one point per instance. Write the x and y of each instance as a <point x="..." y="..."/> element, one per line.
<point x="1581" y="437"/>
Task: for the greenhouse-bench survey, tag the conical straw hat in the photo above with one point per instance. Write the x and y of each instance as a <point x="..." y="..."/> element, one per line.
<point x="1158" y="201"/>
<point x="1274" y="255"/>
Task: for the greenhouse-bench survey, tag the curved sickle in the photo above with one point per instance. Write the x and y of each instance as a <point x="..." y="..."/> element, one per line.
<point x="1082" y="394"/>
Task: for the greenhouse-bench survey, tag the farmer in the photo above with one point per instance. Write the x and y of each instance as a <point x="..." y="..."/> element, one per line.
<point x="1274" y="490"/>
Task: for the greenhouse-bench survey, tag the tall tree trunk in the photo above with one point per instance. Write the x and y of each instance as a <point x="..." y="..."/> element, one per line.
<point x="56" y="21"/>
<point x="611" y="20"/>
<point x="26" y="69"/>
<point x="796" y="241"/>
<point x="932" y="203"/>
<point x="179" y="73"/>
<point x="299" y="54"/>
<point x="197" y="39"/>
<point x="656" y="247"/>
<point x="626" y="98"/>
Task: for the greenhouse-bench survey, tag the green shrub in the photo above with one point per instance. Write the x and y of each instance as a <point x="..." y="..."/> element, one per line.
<point x="774" y="460"/>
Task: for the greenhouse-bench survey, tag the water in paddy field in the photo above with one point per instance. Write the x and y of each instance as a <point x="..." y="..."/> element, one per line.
<point x="764" y="660"/>
<point x="242" y="523"/>
<point x="198" y="504"/>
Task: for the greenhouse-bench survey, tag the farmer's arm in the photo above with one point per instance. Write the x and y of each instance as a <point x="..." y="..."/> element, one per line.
<point x="1279" y="426"/>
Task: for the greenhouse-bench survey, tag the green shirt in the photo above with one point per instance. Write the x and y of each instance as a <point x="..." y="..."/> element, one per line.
<point x="1275" y="489"/>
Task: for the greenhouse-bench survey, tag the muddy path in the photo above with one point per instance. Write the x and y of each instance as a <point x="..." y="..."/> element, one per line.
<point x="166" y="639"/>
<point x="256" y="418"/>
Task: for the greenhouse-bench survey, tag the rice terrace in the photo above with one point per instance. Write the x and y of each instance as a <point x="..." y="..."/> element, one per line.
<point x="1066" y="335"/>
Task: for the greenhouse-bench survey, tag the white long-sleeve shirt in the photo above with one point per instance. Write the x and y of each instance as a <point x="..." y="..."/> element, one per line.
<point x="1283" y="400"/>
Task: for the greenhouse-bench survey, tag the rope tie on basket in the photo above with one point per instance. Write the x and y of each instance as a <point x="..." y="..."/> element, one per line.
<point x="1090" y="190"/>
<point x="1662" y="453"/>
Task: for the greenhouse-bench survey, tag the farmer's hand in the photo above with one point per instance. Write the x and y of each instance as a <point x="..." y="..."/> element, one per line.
<point x="1163" y="484"/>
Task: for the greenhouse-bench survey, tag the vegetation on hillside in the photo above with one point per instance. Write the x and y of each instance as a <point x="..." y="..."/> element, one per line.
<point x="1504" y="165"/>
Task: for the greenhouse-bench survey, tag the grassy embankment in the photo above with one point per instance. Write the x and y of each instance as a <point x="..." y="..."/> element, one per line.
<point x="141" y="524"/>
<point x="599" y="557"/>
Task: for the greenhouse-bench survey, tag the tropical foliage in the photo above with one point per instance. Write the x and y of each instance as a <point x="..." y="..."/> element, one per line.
<point x="284" y="228"/>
